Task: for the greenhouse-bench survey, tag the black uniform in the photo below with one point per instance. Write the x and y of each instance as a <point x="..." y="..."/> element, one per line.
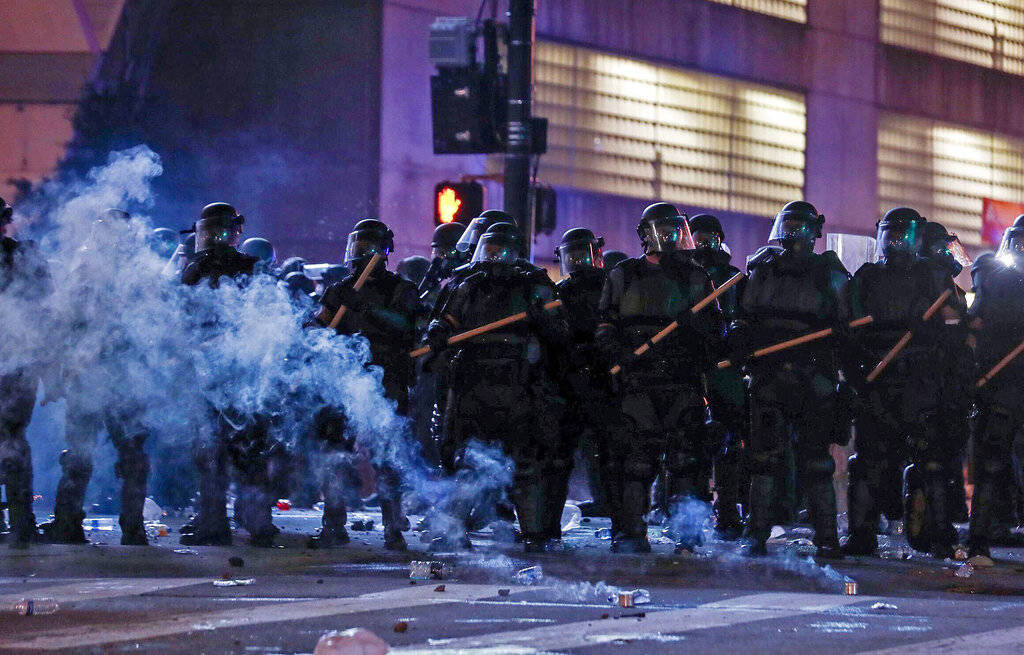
<point x="383" y="311"/>
<point x="24" y="278"/>
<point x="901" y="416"/>
<point x="660" y="406"/>
<point x="793" y="399"/>
<point x="998" y="312"/>
<point x="586" y="379"/>
<point x="211" y="449"/>
<point x="503" y="391"/>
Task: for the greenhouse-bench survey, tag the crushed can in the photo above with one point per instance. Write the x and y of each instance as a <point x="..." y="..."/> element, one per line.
<point x="624" y="598"/>
<point x="429" y="570"/>
<point x="850" y="587"/>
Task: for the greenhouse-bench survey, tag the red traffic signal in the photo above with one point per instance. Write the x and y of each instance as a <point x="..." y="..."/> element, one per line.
<point x="457" y="202"/>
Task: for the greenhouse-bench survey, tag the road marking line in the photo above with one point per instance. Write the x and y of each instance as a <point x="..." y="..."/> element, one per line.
<point x="94" y="635"/>
<point x="565" y="636"/>
<point x="98" y="588"/>
<point x="1009" y="640"/>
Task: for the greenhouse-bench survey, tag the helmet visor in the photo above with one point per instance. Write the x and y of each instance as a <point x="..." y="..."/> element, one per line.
<point x="471" y="237"/>
<point x="579" y="255"/>
<point x="667" y="234"/>
<point x="1011" y="248"/>
<point x="362" y="245"/>
<point x="788" y="228"/>
<point x="705" y="240"/>
<point x="497" y="248"/>
<point x="898" y="239"/>
<point x="211" y="232"/>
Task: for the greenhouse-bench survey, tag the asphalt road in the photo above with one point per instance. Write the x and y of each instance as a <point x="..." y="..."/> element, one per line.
<point x="154" y="599"/>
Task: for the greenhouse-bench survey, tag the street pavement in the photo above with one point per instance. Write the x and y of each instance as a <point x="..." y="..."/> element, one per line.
<point x="163" y="599"/>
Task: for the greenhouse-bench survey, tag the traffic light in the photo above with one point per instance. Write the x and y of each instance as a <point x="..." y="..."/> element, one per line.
<point x="457" y="202"/>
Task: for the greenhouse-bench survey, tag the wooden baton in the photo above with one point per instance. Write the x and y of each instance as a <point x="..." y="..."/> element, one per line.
<point x="907" y="336"/>
<point x="807" y="338"/>
<point x="483" y="329"/>
<point x="1010" y="356"/>
<point x="671" y="327"/>
<point x="360" y="281"/>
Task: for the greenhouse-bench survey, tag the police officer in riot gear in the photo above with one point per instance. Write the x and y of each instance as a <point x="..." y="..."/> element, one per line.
<point x="586" y="383"/>
<point x="660" y="408"/>
<point x="24" y="284"/>
<point x="217" y="234"/>
<point x="85" y="420"/>
<point x="503" y="389"/>
<point x="900" y="415"/>
<point x="445" y="257"/>
<point x="997" y="325"/>
<point x="613" y="258"/>
<point x="263" y="251"/>
<point x="791" y="291"/>
<point x="384" y="312"/>
<point x="726" y="390"/>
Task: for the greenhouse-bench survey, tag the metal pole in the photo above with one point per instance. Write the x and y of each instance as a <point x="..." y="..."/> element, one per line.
<point x="520" y="78"/>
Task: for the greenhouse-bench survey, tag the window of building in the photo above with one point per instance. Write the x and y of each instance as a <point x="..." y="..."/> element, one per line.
<point x="789" y="9"/>
<point x="632" y="128"/>
<point x="984" y="32"/>
<point x="944" y="171"/>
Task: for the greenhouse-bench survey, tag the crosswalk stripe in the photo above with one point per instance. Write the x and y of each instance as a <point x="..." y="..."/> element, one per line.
<point x="1009" y="640"/>
<point x="95" y="635"/>
<point x="654" y="626"/>
<point x="93" y="589"/>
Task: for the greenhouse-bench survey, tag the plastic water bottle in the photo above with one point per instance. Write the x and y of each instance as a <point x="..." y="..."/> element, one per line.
<point x="529" y="576"/>
<point x="30" y="607"/>
<point x="571" y="517"/>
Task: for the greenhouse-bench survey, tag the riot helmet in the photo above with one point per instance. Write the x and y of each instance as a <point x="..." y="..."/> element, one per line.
<point x="368" y="238"/>
<point x="937" y="245"/>
<point x="707" y="232"/>
<point x="797" y="226"/>
<point x="471" y="237"/>
<point x="6" y="215"/>
<point x="579" y="250"/>
<point x="501" y="244"/>
<point x="163" y="241"/>
<point x="900" y="234"/>
<point x="297" y="281"/>
<point x="445" y="239"/>
<point x="261" y="249"/>
<point x="291" y="265"/>
<point x="413" y="268"/>
<point x="219" y="225"/>
<point x="663" y="228"/>
<point x="613" y="257"/>
<point x="1011" y="248"/>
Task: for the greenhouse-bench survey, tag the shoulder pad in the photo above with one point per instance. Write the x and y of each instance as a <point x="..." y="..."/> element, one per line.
<point x="984" y="262"/>
<point x="830" y="259"/>
<point x="764" y="255"/>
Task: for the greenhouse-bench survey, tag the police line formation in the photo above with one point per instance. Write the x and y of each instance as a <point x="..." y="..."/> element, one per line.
<point x="672" y="372"/>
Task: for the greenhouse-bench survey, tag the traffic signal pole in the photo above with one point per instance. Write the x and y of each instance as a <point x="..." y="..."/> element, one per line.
<point x="517" y="155"/>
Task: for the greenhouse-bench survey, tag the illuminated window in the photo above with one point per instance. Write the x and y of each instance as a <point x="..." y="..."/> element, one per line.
<point x="631" y="128"/>
<point x="944" y="171"/>
<point x="791" y="9"/>
<point x="984" y="32"/>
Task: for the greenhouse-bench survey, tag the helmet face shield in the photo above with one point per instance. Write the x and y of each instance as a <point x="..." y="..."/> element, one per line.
<point x="363" y="245"/>
<point x="791" y="228"/>
<point x="212" y="232"/>
<point x="667" y="234"/>
<point x="705" y="240"/>
<point x="471" y="237"/>
<point x="579" y="255"/>
<point x="1011" y="248"/>
<point x="895" y="239"/>
<point x="497" y="248"/>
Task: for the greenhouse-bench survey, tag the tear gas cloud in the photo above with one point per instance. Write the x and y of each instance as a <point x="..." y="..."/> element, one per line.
<point x="126" y="337"/>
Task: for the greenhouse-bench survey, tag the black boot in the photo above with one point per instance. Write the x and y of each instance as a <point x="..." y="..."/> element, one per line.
<point x="821" y="506"/>
<point x="942" y="534"/>
<point x="394" y="519"/>
<point x="762" y="500"/>
<point x="863" y="513"/>
<point x="133" y="468"/>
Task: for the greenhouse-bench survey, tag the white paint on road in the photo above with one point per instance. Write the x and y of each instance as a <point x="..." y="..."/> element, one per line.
<point x="124" y="629"/>
<point x="1009" y="640"/>
<point x="654" y="626"/>
<point x="96" y="589"/>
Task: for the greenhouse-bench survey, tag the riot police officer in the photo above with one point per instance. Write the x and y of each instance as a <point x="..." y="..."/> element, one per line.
<point x="727" y="393"/>
<point x="384" y="312"/>
<point x="24" y="284"/>
<point x="586" y="383"/>
<point x="900" y="415"/>
<point x="791" y="291"/>
<point x="85" y="419"/>
<point x="660" y="406"/>
<point x="217" y="234"/>
<point x="503" y="389"/>
<point x="263" y="251"/>
<point x="997" y="317"/>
